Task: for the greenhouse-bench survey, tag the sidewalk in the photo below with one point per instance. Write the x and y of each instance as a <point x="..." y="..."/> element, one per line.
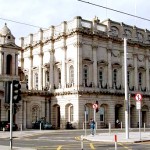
<point x="20" y="134"/>
<point x="134" y="137"/>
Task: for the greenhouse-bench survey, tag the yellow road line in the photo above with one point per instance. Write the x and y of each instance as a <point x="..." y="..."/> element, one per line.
<point x="59" y="147"/>
<point x="92" y="146"/>
<point x="124" y="146"/>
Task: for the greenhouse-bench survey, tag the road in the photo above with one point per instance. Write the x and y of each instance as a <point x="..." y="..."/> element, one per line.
<point x="70" y="140"/>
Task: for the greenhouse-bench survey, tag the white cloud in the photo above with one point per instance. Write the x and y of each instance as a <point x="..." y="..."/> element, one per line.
<point x="52" y="12"/>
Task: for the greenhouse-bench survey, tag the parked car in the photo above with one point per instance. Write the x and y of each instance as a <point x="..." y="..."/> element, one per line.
<point x="14" y="127"/>
<point x="44" y="125"/>
<point x="3" y="124"/>
<point x="47" y="126"/>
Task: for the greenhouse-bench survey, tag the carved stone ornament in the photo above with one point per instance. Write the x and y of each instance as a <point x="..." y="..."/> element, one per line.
<point x="25" y="70"/>
<point x="78" y="44"/>
<point x="115" y="53"/>
<point x="52" y="51"/>
<point x="141" y="58"/>
<point x="95" y="46"/>
<point x="6" y="106"/>
<point x="87" y="61"/>
<point x="102" y="63"/>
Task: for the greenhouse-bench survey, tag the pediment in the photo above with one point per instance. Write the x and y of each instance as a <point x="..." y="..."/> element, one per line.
<point x="11" y="45"/>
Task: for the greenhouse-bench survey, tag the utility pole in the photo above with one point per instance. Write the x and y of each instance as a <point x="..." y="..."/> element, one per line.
<point x="126" y="91"/>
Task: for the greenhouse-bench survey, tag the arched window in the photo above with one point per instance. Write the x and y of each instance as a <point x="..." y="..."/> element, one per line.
<point x="36" y="80"/>
<point x="59" y="76"/>
<point x="47" y="76"/>
<point x="140" y="78"/>
<point x="26" y="78"/>
<point x="115" y="77"/>
<point x="100" y="75"/>
<point x="128" y="77"/>
<point x="9" y="65"/>
<point x="35" y="113"/>
<point x="85" y="75"/>
<point x="71" y="74"/>
<point x="101" y="110"/>
<point x="70" y="109"/>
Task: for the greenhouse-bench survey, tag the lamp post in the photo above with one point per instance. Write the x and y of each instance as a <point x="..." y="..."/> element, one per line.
<point x="126" y="91"/>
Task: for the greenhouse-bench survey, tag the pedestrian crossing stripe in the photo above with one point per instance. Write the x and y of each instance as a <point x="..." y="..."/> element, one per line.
<point x="92" y="146"/>
<point x="59" y="147"/>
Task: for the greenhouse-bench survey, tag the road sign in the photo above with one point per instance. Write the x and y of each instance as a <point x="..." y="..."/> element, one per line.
<point x="138" y="97"/>
<point x="95" y="106"/>
<point x="138" y="105"/>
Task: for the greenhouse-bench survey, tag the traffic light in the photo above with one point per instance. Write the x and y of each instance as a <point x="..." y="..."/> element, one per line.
<point x="7" y="91"/>
<point x="97" y="109"/>
<point x="16" y="91"/>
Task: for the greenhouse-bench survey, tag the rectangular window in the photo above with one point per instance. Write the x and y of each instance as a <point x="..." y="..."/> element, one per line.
<point x="128" y="77"/>
<point x="101" y="110"/>
<point x="100" y="76"/>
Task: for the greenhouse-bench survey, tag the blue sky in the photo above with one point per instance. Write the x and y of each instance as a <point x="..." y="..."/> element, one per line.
<point x="45" y="13"/>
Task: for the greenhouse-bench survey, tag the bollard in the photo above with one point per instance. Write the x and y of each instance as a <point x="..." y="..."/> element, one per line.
<point x="3" y="129"/>
<point x="81" y="142"/>
<point x="121" y="125"/>
<point x="144" y="126"/>
<point x="115" y="142"/>
<point x="109" y="128"/>
<point x="21" y="127"/>
<point x="83" y="125"/>
<point x="40" y="126"/>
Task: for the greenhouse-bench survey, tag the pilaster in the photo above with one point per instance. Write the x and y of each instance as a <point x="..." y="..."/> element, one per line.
<point x="135" y="71"/>
<point x="1" y="63"/>
<point x="109" y="69"/>
<point x="63" y="74"/>
<point x="24" y="114"/>
<point x="30" y="77"/>
<point x="78" y="64"/>
<point x="40" y="82"/>
<point x="51" y="72"/>
<point x="147" y="72"/>
<point x="95" y="47"/>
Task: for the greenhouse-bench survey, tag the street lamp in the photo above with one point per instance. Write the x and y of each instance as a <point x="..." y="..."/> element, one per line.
<point x="126" y="91"/>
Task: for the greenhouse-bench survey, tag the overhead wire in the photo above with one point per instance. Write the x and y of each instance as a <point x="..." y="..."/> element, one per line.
<point x="27" y="24"/>
<point x="118" y="11"/>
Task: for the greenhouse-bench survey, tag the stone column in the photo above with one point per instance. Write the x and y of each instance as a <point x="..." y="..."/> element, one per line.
<point x="78" y="64"/>
<point x="44" y="78"/>
<point x="109" y="69"/>
<point x="147" y="73"/>
<point x="135" y="72"/>
<point x="4" y="63"/>
<point x="1" y="63"/>
<point x="95" y="47"/>
<point x="40" y="82"/>
<point x="30" y="77"/>
<point x="13" y="64"/>
<point x="16" y="64"/>
<point x="51" y="72"/>
<point x="63" y="71"/>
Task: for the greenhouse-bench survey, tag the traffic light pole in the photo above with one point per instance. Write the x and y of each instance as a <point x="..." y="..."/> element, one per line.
<point x="11" y="116"/>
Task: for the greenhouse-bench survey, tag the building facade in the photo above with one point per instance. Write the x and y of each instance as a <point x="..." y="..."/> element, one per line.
<point x="65" y="69"/>
<point x="8" y="72"/>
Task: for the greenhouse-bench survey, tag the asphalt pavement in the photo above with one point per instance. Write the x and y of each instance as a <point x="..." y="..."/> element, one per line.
<point x="120" y="135"/>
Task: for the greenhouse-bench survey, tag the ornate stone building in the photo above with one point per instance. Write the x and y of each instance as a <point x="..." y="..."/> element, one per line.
<point x="67" y="68"/>
<point x="8" y="71"/>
